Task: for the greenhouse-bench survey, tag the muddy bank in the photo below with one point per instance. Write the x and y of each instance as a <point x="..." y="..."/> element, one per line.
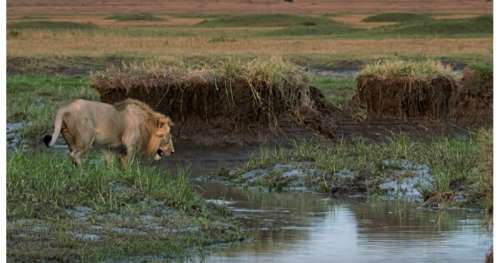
<point x="232" y="101"/>
<point x="399" y="179"/>
<point x="472" y="103"/>
<point x="466" y="101"/>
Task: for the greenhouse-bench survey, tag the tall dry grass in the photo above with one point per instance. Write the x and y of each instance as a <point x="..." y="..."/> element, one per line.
<point x="36" y="43"/>
<point x="408" y="69"/>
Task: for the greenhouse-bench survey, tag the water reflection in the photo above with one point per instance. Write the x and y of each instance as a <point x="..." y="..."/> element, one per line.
<point x="300" y="227"/>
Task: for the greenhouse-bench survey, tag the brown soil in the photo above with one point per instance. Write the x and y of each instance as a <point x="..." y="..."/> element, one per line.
<point x="472" y="103"/>
<point x="404" y="98"/>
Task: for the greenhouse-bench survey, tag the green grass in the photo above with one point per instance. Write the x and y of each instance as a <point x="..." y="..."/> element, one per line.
<point x="51" y="25"/>
<point x="332" y="28"/>
<point x="484" y="69"/>
<point x="43" y="185"/>
<point x="265" y="20"/>
<point x="135" y="17"/>
<point x="424" y="26"/>
<point x="452" y="161"/>
<point x="338" y="91"/>
<point x="482" y="25"/>
<point x="396" y="17"/>
<point x="33" y="100"/>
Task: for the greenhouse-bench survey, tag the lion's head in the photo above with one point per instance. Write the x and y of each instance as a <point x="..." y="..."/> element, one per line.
<point x="160" y="141"/>
<point x="156" y="130"/>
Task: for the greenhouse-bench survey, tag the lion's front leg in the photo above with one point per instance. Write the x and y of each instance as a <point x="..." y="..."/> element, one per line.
<point x="127" y="149"/>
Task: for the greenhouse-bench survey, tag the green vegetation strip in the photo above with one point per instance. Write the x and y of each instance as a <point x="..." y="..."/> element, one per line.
<point x="51" y="25"/>
<point x="101" y="212"/>
<point x="265" y="20"/>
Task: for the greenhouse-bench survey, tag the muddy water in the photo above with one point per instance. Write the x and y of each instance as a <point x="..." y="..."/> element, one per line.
<point x="307" y="227"/>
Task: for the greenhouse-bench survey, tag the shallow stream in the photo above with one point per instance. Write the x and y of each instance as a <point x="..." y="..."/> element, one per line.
<point x="309" y="227"/>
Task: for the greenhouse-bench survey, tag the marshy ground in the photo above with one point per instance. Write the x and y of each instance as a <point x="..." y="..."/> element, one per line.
<point x="159" y="211"/>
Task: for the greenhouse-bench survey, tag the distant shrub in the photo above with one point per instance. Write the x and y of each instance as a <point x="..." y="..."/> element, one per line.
<point x="14" y="33"/>
<point x="309" y="23"/>
<point x="221" y="39"/>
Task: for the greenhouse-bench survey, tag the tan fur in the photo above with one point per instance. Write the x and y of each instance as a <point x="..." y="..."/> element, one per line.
<point x="128" y="126"/>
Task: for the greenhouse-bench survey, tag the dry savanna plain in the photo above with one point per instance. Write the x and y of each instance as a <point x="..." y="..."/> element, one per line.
<point x="314" y="70"/>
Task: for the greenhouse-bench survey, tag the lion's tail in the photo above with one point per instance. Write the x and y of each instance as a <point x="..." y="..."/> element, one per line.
<point x="50" y="140"/>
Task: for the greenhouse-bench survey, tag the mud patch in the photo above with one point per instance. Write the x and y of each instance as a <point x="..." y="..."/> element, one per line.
<point x="402" y="180"/>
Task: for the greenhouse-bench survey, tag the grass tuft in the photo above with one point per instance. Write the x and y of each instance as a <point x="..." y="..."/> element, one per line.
<point x="408" y="69"/>
<point x="483" y="69"/>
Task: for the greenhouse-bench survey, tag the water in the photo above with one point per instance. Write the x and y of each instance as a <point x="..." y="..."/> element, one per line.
<point x="308" y="227"/>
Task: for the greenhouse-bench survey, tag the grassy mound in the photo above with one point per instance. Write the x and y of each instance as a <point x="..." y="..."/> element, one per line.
<point x="233" y="94"/>
<point x="396" y="17"/>
<point x="135" y="17"/>
<point x="51" y="25"/>
<point x="405" y="90"/>
<point x="265" y="20"/>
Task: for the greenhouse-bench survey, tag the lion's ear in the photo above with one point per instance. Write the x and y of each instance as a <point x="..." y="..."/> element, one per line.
<point x="161" y="122"/>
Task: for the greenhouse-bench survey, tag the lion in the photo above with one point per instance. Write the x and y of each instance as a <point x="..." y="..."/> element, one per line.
<point x="124" y="128"/>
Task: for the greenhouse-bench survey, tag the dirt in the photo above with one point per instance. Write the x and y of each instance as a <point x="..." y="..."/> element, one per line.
<point x="466" y="103"/>
<point x="404" y="98"/>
